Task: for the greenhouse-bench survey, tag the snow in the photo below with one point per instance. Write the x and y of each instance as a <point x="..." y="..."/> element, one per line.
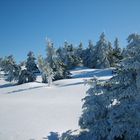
<point x="89" y="73"/>
<point x="32" y="110"/>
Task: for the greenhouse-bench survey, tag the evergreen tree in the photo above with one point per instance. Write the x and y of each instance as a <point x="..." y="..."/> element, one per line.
<point x="46" y="71"/>
<point x="50" y="51"/>
<point x="110" y="55"/>
<point x="88" y="55"/>
<point x="56" y="60"/>
<point x="80" y="50"/>
<point x="117" y="53"/>
<point x="61" y="71"/>
<point x="69" y="56"/>
<point x="31" y="67"/>
<point x="10" y="67"/>
<point x="23" y="77"/>
<point x="101" y="52"/>
<point x="78" y="53"/>
<point x="49" y="73"/>
<point x="91" y="54"/>
<point x="31" y="64"/>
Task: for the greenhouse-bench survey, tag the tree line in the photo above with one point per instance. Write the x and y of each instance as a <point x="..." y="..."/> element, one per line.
<point x="60" y="60"/>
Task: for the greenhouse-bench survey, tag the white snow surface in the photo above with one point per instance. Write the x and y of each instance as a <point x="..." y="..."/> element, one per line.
<point x="30" y="111"/>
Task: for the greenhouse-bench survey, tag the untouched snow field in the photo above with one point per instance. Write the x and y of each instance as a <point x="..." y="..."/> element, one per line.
<point x="30" y="111"/>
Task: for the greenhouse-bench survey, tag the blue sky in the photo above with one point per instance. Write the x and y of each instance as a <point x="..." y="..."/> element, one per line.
<point x="24" y="24"/>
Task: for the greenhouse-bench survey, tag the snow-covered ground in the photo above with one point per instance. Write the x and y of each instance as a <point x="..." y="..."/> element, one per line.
<point x="30" y="111"/>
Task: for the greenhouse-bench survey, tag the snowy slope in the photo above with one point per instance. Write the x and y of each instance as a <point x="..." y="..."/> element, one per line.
<point x="32" y="110"/>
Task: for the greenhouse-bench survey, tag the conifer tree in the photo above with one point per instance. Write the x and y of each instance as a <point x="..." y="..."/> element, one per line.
<point x="11" y="68"/>
<point x="57" y="59"/>
<point x="102" y="51"/>
<point x="46" y="71"/>
<point x="49" y="73"/>
<point x="88" y="55"/>
<point x="78" y="54"/>
<point x="31" y="67"/>
<point x="50" y="52"/>
<point x="80" y="50"/>
<point x="117" y="52"/>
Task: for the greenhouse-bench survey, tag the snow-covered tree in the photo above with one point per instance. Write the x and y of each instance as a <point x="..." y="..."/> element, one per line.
<point x="23" y="77"/>
<point x="31" y="67"/>
<point x="117" y="52"/>
<point x="101" y="53"/>
<point x="10" y="67"/>
<point x="50" y="52"/>
<point x="31" y="64"/>
<point x="68" y="55"/>
<point x="78" y="54"/>
<point x="110" y="54"/>
<point x="71" y="60"/>
<point x="49" y="73"/>
<point x="28" y="69"/>
<point x="46" y="70"/>
<point x="61" y="71"/>
<point x="89" y="55"/>
<point x="79" y="50"/>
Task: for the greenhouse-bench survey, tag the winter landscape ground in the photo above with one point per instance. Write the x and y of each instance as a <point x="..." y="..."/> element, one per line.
<point x="30" y="111"/>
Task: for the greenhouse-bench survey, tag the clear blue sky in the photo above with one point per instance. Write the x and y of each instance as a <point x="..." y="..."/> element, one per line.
<point x="24" y="24"/>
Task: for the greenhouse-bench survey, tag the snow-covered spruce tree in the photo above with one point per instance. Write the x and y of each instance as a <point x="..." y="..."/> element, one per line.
<point x="46" y="70"/>
<point x="79" y="50"/>
<point x="117" y="52"/>
<point x="89" y="55"/>
<point x="56" y="61"/>
<point x="78" y="54"/>
<point x="49" y="73"/>
<point x="23" y="76"/>
<point x="110" y="54"/>
<point x="101" y="53"/>
<point x="61" y="71"/>
<point x="10" y="68"/>
<point x="70" y="57"/>
<point x="31" y="67"/>
<point x="50" y="52"/>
